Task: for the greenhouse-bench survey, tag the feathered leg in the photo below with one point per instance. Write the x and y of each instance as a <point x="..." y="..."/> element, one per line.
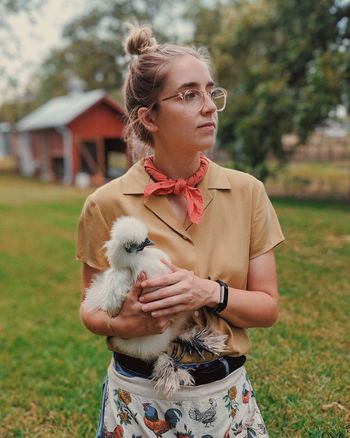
<point x="168" y="375"/>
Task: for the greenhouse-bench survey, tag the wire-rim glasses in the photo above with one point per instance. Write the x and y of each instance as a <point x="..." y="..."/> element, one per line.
<point x="194" y="100"/>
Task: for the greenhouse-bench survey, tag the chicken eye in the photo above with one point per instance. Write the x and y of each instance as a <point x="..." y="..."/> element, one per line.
<point x="130" y="247"/>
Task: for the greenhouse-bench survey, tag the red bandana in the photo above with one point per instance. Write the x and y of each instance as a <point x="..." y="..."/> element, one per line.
<point x="166" y="186"/>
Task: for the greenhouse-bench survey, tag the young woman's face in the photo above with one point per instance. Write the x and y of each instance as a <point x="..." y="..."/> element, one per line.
<point x="181" y="127"/>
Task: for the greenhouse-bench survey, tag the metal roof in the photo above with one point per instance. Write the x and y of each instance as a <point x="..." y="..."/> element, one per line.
<point x="59" y="111"/>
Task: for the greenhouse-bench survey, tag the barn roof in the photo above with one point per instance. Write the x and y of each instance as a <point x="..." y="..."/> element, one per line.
<point x="62" y="110"/>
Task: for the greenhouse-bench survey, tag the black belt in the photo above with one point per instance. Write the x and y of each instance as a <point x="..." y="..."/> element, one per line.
<point x="202" y="373"/>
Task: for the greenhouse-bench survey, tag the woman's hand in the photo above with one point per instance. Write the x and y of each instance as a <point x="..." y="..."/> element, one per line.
<point x="132" y="321"/>
<point x="181" y="291"/>
<point x="178" y="291"/>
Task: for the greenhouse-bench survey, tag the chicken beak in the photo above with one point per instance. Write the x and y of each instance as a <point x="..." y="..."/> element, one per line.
<point x="146" y="242"/>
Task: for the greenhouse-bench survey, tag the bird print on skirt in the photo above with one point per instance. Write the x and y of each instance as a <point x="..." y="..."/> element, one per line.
<point x="160" y="426"/>
<point x="225" y="409"/>
<point x="206" y="417"/>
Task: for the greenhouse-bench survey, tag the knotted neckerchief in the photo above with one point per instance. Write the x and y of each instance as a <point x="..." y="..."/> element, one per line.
<point x="167" y="186"/>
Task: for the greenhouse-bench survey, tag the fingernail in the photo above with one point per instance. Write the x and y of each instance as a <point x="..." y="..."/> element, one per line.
<point x="143" y="284"/>
<point x="142" y="299"/>
<point x="155" y="314"/>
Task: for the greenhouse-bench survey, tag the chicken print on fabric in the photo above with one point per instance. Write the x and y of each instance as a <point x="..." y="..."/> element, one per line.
<point x="245" y="393"/>
<point x="160" y="426"/>
<point x="206" y="417"/>
<point x="232" y="413"/>
<point x="119" y="433"/>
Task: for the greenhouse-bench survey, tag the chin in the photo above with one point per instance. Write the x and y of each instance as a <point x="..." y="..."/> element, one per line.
<point x="203" y="146"/>
<point x="206" y="147"/>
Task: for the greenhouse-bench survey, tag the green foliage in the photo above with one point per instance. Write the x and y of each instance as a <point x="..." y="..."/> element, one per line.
<point x="94" y="47"/>
<point x="8" y="7"/>
<point x="10" y="49"/>
<point x="286" y="64"/>
<point x="52" y="368"/>
<point x="93" y="52"/>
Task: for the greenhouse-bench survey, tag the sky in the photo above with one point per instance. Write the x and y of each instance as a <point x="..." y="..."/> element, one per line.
<point x="35" y="38"/>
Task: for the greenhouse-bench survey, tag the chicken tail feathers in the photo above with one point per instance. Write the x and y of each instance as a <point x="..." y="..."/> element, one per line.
<point x="172" y="416"/>
<point x="197" y="340"/>
<point x="195" y="414"/>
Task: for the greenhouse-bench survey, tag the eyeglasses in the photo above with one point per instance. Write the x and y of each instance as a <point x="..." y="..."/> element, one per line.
<point x="194" y="100"/>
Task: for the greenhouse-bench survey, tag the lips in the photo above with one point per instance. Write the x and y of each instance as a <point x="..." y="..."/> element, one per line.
<point x="208" y="125"/>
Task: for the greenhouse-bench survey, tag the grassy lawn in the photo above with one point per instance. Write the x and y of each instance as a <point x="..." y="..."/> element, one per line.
<point x="324" y="180"/>
<point x="51" y="368"/>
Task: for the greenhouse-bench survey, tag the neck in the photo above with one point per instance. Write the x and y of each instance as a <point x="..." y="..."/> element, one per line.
<point x="177" y="166"/>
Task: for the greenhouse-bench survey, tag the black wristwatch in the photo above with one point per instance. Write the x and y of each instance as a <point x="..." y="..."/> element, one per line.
<point x="223" y="298"/>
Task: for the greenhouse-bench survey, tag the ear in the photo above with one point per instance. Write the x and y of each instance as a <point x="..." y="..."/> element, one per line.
<point x="148" y="118"/>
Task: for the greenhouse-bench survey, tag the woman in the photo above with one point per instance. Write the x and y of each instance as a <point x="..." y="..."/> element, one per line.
<point x="219" y="229"/>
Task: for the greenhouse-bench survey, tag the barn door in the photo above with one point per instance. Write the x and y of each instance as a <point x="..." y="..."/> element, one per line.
<point x="88" y="157"/>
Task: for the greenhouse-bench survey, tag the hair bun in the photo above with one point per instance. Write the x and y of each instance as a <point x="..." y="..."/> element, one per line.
<point x="140" y="40"/>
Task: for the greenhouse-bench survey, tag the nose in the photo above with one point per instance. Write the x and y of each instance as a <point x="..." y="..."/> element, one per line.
<point x="208" y="104"/>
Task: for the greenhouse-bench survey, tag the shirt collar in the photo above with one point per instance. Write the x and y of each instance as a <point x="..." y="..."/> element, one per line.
<point x="136" y="178"/>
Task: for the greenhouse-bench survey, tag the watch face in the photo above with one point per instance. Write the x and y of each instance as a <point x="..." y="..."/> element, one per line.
<point x="223" y="297"/>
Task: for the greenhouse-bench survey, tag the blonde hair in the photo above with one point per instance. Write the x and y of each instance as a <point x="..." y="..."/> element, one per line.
<point x="146" y="76"/>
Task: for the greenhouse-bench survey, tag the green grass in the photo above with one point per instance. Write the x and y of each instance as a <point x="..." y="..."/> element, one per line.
<point x="51" y="367"/>
<point x="325" y="180"/>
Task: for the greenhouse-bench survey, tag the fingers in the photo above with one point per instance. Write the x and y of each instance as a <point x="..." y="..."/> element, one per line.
<point x="166" y="280"/>
<point x="172" y="267"/>
<point x="165" y="292"/>
<point x="185" y="299"/>
<point x="141" y="277"/>
<point x="158" y="282"/>
<point x="136" y="289"/>
<point x="169" y="311"/>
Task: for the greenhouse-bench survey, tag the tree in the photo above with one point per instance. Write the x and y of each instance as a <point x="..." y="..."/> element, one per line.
<point x="286" y="64"/>
<point x="94" y="49"/>
<point x="9" y="45"/>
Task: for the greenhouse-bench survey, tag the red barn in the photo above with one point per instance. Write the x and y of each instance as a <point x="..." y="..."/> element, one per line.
<point x="73" y="136"/>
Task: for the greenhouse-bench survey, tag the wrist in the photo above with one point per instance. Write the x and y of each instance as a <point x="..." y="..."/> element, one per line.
<point x="115" y="326"/>
<point x="223" y="300"/>
<point x="112" y="326"/>
<point x="118" y="326"/>
<point x="214" y="294"/>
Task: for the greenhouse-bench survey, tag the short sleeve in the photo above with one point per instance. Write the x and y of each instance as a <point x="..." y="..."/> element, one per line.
<point x="266" y="232"/>
<point x="93" y="232"/>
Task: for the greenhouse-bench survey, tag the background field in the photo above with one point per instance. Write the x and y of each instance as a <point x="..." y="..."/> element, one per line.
<point x="51" y="368"/>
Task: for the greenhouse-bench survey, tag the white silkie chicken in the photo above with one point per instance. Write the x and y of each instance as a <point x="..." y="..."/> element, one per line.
<point x="129" y="253"/>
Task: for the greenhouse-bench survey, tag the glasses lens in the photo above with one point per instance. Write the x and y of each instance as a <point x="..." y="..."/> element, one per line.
<point x="219" y="98"/>
<point x="195" y="99"/>
<point x="192" y="99"/>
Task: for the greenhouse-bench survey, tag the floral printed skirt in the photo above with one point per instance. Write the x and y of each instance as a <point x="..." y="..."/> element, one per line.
<point x="131" y="408"/>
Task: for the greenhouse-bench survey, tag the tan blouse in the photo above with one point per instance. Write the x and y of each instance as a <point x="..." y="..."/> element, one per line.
<point x="238" y="224"/>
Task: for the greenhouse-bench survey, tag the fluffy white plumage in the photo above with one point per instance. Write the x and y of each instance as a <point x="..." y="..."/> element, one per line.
<point x="129" y="253"/>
